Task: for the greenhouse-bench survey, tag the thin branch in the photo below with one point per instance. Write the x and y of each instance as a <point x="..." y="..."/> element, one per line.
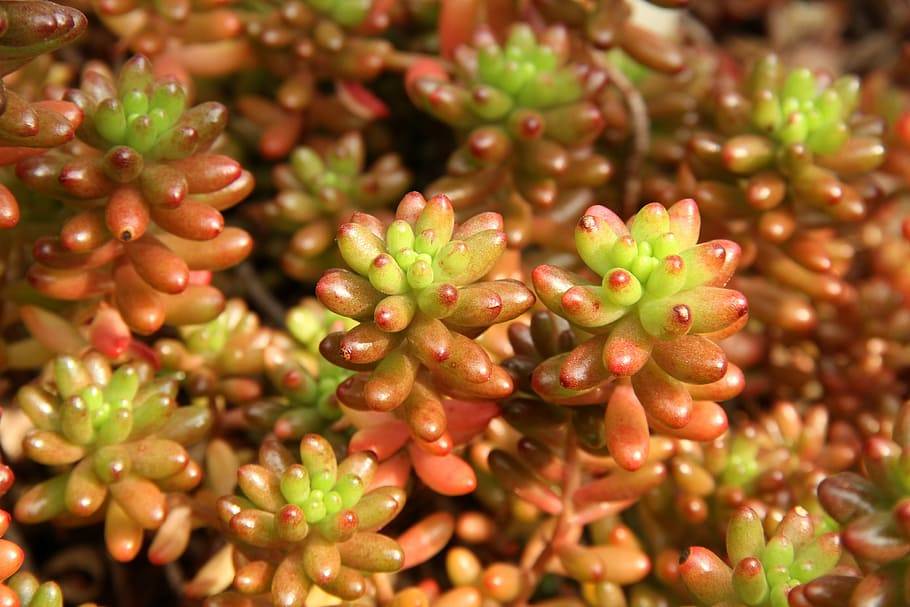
<point x="564" y="525"/>
<point x="641" y="131"/>
<point x="262" y="298"/>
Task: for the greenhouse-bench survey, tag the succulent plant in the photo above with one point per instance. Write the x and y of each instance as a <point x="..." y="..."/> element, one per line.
<point x="223" y="357"/>
<point x="310" y="524"/>
<point x="872" y="508"/>
<point x="568" y="455"/>
<point x="320" y="187"/>
<point x="764" y="571"/>
<point x="769" y="465"/>
<point x="527" y="124"/>
<point x="417" y="290"/>
<point x="143" y="152"/>
<point x="792" y="163"/>
<point x="31" y="592"/>
<point x="436" y="463"/>
<point x="302" y="397"/>
<point x="310" y="41"/>
<point x="661" y="293"/>
<point x="114" y="433"/>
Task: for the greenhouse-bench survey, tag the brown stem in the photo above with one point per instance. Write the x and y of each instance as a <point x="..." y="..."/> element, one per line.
<point x="641" y="131"/>
<point x="260" y="295"/>
<point x="564" y="525"/>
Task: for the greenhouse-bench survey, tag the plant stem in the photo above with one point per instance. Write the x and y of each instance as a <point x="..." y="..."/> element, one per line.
<point x="564" y="525"/>
<point x="641" y="131"/>
<point x="260" y="295"/>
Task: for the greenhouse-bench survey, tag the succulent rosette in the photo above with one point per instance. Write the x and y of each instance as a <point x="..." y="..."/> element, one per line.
<point x="309" y="524"/>
<point x="761" y="572"/>
<point x="655" y="314"/>
<point x="320" y="186"/>
<point x="147" y="228"/>
<point x="770" y="465"/>
<point x="416" y="289"/>
<point x="527" y="125"/>
<point x="873" y="508"/>
<point x="302" y="397"/>
<point x="308" y="42"/>
<point x="116" y="438"/>
<point x="223" y="357"/>
<point x="791" y="162"/>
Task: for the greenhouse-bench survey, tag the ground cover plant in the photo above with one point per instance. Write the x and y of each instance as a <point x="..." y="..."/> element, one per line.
<point x="454" y="303"/>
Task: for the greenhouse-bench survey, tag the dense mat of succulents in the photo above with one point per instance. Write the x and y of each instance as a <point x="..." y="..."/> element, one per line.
<point x="454" y="303"/>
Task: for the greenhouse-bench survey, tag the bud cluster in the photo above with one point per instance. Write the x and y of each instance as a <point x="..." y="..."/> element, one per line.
<point x="116" y="438"/>
<point x="312" y="523"/>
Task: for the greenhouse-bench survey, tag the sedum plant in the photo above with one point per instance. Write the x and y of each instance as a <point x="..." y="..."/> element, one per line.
<point x="27" y="128"/>
<point x="786" y="169"/>
<point x="143" y="151"/>
<point x="610" y="24"/>
<point x="872" y="508"/>
<point x="223" y="357"/>
<point x="655" y="314"/>
<point x="526" y="121"/>
<point x="310" y="524"/>
<point x="302" y="396"/>
<point x="424" y="433"/>
<point x="762" y="572"/>
<point x="20" y="588"/>
<point x="321" y="186"/>
<point x="416" y="288"/>
<point x="117" y="440"/>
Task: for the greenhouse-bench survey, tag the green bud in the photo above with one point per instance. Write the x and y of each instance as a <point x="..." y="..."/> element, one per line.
<point x="420" y="274"/>
<point x="621" y="287"/>
<point x="135" y="102"/>
<point x="777" y="553"/>
<point x="749" y="582"/>
<point x="794" y="129"/>
<point x="350" y="488"/>
<point x="170" y="98"/>
<point x="745" y="535"/>
<point x="386" y="275"/>
<point x="624" y="252"/>
<point x="800" y="84"/>
<point x="399" y="237"/>
<point x="123" y="386"/>
<point x="110" y="121"/>
<point x="295" y="484"/>
<point x="307" y="165"/>
<point x="70" y="376"/>
<point x="76" y="421"/>
<point x="314" y="508"/>
<point x="140" y="133"/>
